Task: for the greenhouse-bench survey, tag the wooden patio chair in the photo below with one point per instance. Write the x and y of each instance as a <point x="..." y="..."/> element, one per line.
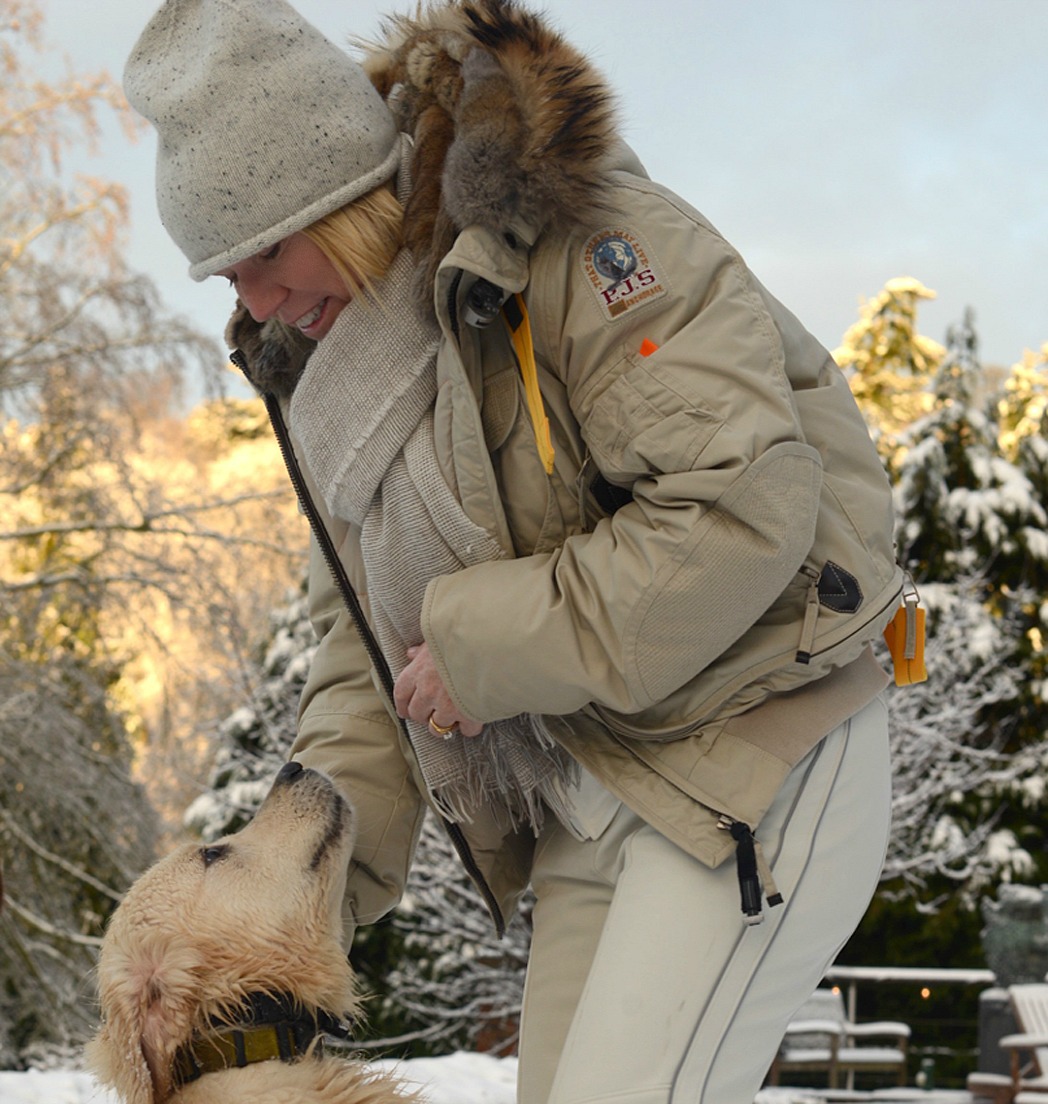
<point x="1028" y="1048"/>
<point x="821" y="1039"/>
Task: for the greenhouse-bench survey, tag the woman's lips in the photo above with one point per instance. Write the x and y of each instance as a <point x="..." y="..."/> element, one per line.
<point x="309" y="320"/>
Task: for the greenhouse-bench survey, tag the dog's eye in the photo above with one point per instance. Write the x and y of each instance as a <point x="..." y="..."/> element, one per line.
<point x="213" y="854"/>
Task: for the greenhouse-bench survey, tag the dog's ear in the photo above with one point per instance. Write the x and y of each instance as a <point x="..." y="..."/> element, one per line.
<point x="148" y="992"/>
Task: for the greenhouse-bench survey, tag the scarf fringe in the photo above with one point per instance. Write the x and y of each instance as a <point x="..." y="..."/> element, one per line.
<point x="515" y="769"/>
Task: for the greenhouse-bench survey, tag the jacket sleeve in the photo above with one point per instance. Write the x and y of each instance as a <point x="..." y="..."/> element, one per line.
<point x="725" y="490"/>
<point x="345" y="731"/>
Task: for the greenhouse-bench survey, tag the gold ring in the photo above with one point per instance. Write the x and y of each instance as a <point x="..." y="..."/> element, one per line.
<point x="440" y="730"/>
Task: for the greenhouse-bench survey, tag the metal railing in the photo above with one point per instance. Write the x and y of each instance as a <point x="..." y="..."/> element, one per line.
<point x="849" y="978"/>
<point x="919" y="975"/>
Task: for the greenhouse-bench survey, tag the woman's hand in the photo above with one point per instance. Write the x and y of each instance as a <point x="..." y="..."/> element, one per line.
<point x="419" y="695"/>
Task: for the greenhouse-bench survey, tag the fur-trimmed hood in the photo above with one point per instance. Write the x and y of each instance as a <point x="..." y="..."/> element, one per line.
<point x="512" y="126"/>
<point x="512" y="129"/>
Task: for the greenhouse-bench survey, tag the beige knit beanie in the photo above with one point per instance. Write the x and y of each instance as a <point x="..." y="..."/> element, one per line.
<point x="263" y="125"/>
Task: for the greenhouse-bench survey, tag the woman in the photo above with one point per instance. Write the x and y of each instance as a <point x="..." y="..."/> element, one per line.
<point x="625" y="562"/>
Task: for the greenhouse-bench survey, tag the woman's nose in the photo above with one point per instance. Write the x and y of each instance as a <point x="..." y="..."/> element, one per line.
<point x="260" y="295"/>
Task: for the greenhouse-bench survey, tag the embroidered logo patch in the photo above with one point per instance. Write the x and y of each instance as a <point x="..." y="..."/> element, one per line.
<point x="622" y="271"/>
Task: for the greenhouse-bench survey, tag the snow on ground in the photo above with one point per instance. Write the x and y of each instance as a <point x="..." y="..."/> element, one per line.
<point x="454" y="1079"/>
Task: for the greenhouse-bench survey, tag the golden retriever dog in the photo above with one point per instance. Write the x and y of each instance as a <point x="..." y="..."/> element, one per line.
<point x="225" y="957"/>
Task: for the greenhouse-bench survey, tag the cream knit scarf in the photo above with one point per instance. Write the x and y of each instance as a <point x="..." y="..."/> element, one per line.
<point x="363" y="413"/>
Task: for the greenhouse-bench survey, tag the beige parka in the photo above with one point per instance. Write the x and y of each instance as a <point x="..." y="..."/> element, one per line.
<point x="698" y="581"/>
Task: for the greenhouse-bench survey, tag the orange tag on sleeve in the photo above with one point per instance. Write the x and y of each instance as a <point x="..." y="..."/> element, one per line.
<point x="904" y="635"/>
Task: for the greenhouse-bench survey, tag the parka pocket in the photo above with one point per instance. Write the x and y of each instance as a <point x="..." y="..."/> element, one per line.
<point x="661" y="724"/>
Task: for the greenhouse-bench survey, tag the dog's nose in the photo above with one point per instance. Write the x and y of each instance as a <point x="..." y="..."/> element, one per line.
<point x="289" y="772"/>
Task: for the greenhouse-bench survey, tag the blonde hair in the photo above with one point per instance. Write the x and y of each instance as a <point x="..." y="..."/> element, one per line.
<point x="362" y="238"/>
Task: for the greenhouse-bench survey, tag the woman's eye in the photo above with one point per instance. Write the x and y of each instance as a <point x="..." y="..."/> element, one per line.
<point x="213" y="854"/>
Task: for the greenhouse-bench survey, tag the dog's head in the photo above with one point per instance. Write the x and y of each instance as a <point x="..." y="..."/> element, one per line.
<point x="258" y="911"/>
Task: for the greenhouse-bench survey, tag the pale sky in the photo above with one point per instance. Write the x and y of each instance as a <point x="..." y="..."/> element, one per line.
<point x="836" y="143"/>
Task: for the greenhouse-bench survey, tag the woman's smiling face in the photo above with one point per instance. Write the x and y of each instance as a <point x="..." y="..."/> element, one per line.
<point x="293" y="281"/>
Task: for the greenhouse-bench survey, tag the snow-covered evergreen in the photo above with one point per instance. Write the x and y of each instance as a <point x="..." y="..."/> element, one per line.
<point x="973" y="532"/>
<point x="75" y="830"/>
<point x="457" y="984"/>
<point x="949" y="766"/>
<point x="253" y="742"/>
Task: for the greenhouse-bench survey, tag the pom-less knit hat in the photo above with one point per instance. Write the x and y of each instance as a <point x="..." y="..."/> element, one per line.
<point x="263" y="125"/>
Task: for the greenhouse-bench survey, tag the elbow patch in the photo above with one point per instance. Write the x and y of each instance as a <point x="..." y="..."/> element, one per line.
<point x="742" y="556"/>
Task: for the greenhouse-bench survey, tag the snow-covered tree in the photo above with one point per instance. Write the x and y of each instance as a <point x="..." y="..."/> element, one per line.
<point x="949" y="766"/>
<point x="971" y="507"/>
<point x="1022" y="409"/>
<point x="74" y="833"/>
<point x="964" y="505"/>
<point x="972" y="530"/>
<point x="967" y="459"/>
<point x="253" y="742"/>
<point x="456" y="986"/>
<point x="888" y="361"/>
<point x="121" y="606"/>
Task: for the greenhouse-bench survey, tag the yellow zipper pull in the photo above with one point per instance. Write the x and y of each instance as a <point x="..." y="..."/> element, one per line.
<point x="516" y="315"/>
<point x="904" y="635"/>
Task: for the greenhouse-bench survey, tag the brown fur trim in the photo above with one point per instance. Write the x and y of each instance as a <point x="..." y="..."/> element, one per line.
<point x="512" y="125"/>
<point x="275" y="354"/>
<point x="428" y="231"/>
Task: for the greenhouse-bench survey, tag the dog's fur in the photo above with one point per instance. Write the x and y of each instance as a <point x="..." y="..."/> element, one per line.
<point x="512" y="131"/>
<point x="256" y="912"/>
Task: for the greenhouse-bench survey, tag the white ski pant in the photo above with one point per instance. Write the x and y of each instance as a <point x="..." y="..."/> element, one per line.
<point x="644" y="985"/>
